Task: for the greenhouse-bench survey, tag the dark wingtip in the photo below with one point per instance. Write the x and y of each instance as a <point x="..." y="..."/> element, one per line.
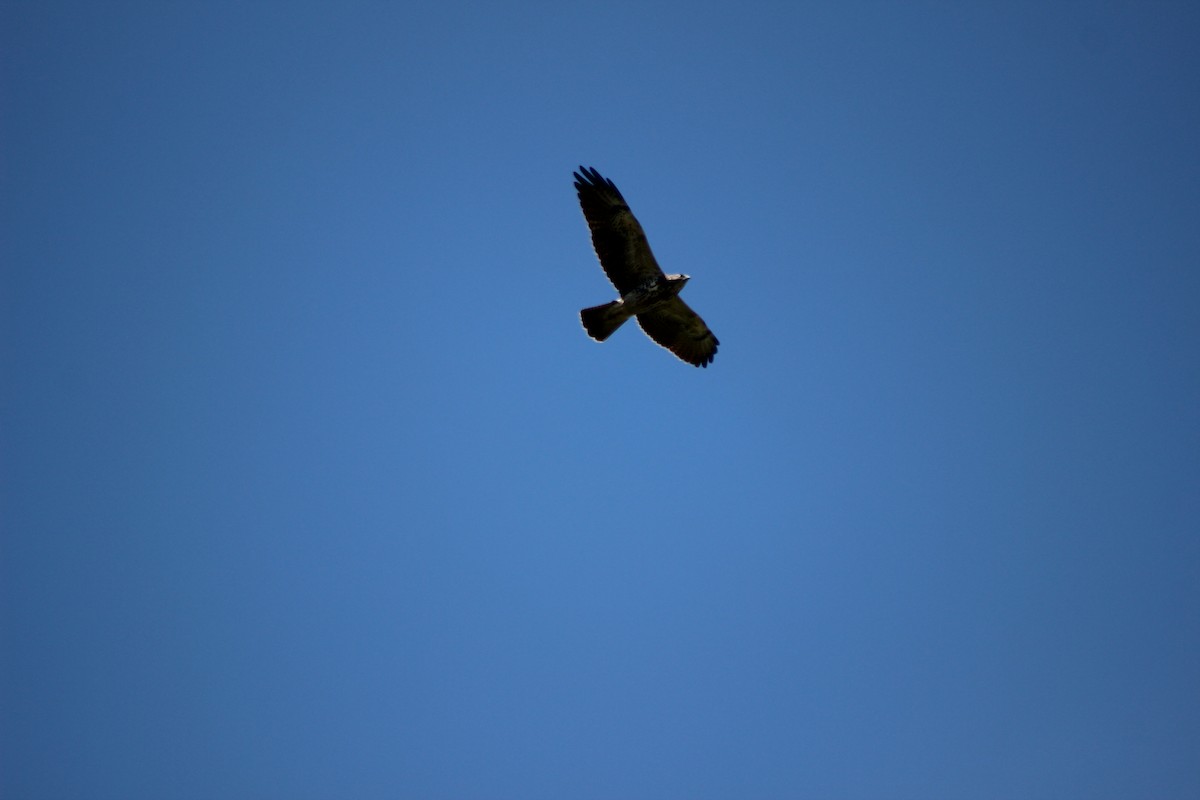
<point x="704" y="361"/>
<point x="592" y="179"/>
<point x="586" y="175"/>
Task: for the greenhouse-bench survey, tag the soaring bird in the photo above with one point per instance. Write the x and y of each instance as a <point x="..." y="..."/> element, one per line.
<point x="646" y="293"/>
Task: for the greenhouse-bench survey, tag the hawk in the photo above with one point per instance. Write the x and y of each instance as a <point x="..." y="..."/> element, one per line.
<point x="646" y="293"/>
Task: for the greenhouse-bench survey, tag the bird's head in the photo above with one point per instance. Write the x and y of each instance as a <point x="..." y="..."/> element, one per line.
<point x="677" y="282"/>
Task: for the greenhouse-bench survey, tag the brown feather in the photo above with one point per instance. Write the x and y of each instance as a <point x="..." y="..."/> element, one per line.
<point x="679" y="329"/>
<point x="618" y="237"/>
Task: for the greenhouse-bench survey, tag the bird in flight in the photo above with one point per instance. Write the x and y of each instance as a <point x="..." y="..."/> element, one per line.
<point x="646" y="293"/>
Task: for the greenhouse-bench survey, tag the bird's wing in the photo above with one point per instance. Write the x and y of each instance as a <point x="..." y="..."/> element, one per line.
<point x="616" y="234"/>
<point x="680" y="330"/>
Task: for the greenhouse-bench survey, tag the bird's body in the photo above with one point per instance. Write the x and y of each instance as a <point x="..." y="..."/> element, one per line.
<point x="600" y="321"/>
<point x="646" y="292"/>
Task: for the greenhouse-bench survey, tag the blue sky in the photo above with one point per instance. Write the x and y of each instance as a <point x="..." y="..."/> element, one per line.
<point x="313" y="486"/>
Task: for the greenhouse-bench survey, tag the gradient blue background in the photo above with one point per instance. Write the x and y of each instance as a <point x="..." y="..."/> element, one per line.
<point x="313" y="486"/>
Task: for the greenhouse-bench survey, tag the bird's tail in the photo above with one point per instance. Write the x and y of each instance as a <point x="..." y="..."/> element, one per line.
<point x="601" y="321"/>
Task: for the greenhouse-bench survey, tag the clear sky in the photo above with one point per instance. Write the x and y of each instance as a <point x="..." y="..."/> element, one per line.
<point x="313" y="486"/>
